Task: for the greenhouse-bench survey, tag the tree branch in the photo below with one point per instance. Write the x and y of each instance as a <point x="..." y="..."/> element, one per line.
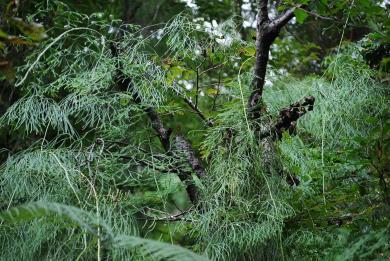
<point x="262" y="11"/>
<point x="198" y="112"/>
<point x="124" y="83"/>
<point x="321" y="16"/>
<point x="185" y="147"/>
<point x="197" y="88"/>
<point x="282" y="20"/>
<point x="175" y="217"/>
<point x="266" y="33"/>
<point x="288" y="117"/>
<point x="180" y="144"/>
<point x="263" y="43"/>
<point x="158" y="126"/>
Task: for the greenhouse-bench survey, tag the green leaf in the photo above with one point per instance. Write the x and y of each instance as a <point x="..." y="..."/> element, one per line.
<point x="3" y="34"/>
<point x="176" y="71"/>
<point x="373" y="26"/>
<point x="375" y="36"/>
<point x="300" y="15"/>
<point x="212" y="91"/>
<point x="124" y="101"/>
<point x="248" y="51"/>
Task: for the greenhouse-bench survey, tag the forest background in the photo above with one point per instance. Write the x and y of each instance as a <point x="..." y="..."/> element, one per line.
<point x="194" y="130"/>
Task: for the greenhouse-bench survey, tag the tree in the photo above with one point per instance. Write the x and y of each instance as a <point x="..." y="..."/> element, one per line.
<point x="128" y="133"/>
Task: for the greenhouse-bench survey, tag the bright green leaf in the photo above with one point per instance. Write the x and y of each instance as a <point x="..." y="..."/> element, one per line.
<point x="300" y="15"/>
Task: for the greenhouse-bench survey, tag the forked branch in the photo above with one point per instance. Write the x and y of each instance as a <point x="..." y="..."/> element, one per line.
<point x="266" y="33"/>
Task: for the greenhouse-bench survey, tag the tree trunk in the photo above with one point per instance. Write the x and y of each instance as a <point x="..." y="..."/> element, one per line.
<point x="266" y="32"/>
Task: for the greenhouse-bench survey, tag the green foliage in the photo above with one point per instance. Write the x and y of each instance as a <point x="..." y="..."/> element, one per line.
<point x="35" y="113"/>
<point x="300" y="15"/>
<point x="245" y="206"/>
<point x="41" y="209"/>
<point x="85" y="141"/>
<point x="144" y="248"/>
<point x="339" y="157"/>
<point x="96" y="152"/>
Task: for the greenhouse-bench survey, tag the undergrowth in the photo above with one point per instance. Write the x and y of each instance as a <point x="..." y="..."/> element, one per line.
<point x="90" y="179"/>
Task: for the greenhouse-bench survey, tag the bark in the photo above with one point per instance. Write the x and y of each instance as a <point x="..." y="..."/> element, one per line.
<point x="271" y="130"/>
<point x="158" y="126"/>
<point x="180" y="144"/>
<point x="266" y="33"/>
<point x="268" y="130"/>
<point x="288" y="117"/>
<point x="183" y="145"/>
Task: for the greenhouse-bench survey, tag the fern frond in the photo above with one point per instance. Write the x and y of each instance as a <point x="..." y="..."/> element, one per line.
<point x="143" y="247"/>
<point x="156" y="249"/>
<point x="36" y="210"/>
<point x="35" y="114"/>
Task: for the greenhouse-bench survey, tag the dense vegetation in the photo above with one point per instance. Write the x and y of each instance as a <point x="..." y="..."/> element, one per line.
<point x="194" y="130"/>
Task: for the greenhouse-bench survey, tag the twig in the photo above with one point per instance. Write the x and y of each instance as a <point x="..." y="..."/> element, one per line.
<point x="175" y="217"/>
<point x="198" y="112"/>
<point x="217" y="94"/>
<point x="333" y="19"/>
<point x="213" y="67"/>
<point x="197" y="88"/>
<point x="319" y="16"/>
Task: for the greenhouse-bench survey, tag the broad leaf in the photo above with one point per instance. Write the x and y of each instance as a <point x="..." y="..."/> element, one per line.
<point x="300" y="15"/>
